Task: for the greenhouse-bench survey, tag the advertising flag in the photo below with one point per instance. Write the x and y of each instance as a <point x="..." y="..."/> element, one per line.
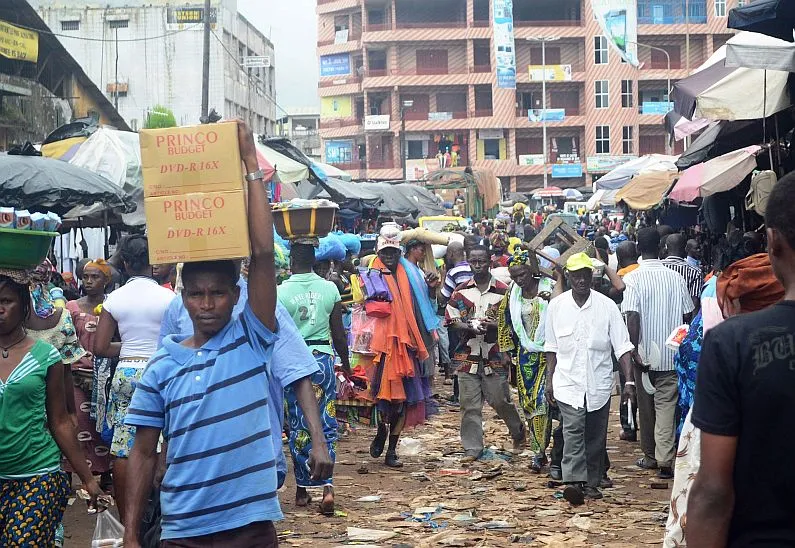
<point x="619" y="22"/>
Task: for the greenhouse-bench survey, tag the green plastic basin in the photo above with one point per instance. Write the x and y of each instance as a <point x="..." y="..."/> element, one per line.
<point x="24" y="249"/>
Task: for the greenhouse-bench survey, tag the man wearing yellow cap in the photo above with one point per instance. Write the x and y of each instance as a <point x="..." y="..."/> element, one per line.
<point x="582" y="328"/>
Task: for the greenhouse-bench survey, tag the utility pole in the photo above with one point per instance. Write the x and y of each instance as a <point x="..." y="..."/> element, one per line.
<point x="206" y="64"/>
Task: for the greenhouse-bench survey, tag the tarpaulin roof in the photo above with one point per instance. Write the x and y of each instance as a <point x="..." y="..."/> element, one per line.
<point x="287" y="169"/>
<point x="771" y="17"/>
<point x="646" y="190"/>
<point x="488" y="185"/>
<point x="45" y="183"/>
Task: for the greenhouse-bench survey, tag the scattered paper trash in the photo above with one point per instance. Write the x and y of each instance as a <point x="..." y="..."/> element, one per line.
<point x="409" y="447"/>
<point x="369" y="535"/>
<point x="369" y="498"/>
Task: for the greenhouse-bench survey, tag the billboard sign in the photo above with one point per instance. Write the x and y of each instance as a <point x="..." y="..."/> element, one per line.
<point x="603" y="164"/>
<point x="619" y="22"/>
<point x="656" y="107"/>
<point x="18" y="44"/>
<point x="376" y="122"/>
<point x="504" y="48"/>
<point x="177" y="18"/>
<point x="566" y="171"/>
<point x="531" y="159"/>
<point x="339" y="152"/>
<point x="555" y="73"/>
<point x="338" y="64"/>
<point x="546" y="115"/>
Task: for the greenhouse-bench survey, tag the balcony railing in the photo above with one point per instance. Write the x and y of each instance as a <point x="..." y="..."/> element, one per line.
<point x="350" y="166"/>
<point x="414" y="116"/>
<point x="676" y="63"/>
<point x="353" y="37"/>
<point x="570" y="111"/>
<point x="481" y="68"/>
<point x="431" y="25"/>
<point x="337" y="123"/>
<point x="481" y="23"/>
<point x="375" y="73"/>
<point x="385" y="163"/>
<point x="549" y="23"/>
<point x="482" y="112"/>
<point x="377" y="27"/>
<point x="339" y="81"/>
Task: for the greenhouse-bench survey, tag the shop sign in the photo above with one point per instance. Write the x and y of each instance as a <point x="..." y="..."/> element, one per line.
<point x="606" y="163"/>
<point x="376" y="122"/>
<point x="566" y="171"/>
<point x="338" y="64"/>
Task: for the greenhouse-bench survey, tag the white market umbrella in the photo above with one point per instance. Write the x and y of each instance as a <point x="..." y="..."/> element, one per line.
<point x="287" y="169"/>
<point x="717" y="175"/>
<point x="716" y="91"/>
<point x="620" y="176"/>
<point x="757" y="51"/>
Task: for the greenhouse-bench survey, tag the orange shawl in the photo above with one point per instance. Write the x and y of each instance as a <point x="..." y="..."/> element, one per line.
<point x="395" y="335"/>
<point x="748" y="285"/>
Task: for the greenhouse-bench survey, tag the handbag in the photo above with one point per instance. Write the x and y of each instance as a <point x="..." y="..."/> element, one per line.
<point x="374" y="285"/>
<point x="378" y="309"/>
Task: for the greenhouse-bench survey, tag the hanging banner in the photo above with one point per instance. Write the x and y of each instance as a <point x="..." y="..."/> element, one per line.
<point x="546" y="115"/>
<point x="338" y="64"/>
<point x="503" y="44"/>
<point x="619" y="22"/>
<point x="18" y="44"/>
<point x="555" y="73"/>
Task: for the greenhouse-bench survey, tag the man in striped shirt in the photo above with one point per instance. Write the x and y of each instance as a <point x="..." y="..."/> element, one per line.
<point x="459" y="273"/>
<point x="675" y="245"/>
<point x="208" y="394"/>
<point x="656" y="301"/>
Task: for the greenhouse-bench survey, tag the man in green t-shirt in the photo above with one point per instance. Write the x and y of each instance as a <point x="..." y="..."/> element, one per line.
<point x="314" y="304"/>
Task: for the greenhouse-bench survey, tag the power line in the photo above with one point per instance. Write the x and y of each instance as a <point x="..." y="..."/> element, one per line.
<point x="243" y="68"/>
<point x="86" y="39"/>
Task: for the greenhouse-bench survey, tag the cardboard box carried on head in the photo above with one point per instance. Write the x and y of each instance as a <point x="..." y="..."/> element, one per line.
<point x="194" y="194"/>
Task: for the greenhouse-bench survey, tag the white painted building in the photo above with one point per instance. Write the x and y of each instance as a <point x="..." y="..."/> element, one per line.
<point x="301" y="127"/>
<point x="149" y="52"/>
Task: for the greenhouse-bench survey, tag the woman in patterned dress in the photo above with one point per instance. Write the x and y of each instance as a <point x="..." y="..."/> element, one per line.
<point x="521" y="333"/>
<point x="35" y="426"/>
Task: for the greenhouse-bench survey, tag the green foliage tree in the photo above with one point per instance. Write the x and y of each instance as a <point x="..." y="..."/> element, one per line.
<point x="160" y="117"/>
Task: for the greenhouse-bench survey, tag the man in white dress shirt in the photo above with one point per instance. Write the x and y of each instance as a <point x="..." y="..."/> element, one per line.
<point x="583" y="326"/>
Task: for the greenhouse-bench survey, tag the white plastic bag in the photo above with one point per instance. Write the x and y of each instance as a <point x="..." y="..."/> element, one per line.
<point x="108" y="533"/>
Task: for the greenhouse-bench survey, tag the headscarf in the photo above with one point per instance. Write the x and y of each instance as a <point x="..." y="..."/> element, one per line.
<point x="39" y="290"/>
<point x="498" y="239"/>
<point x="522" y="257"/>
<point x="21" y="277"/>
<point x="102" y="265"/>
<point x="748" y="285"/>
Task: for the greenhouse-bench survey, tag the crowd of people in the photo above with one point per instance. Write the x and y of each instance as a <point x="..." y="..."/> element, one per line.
<point x="173" y="389"/>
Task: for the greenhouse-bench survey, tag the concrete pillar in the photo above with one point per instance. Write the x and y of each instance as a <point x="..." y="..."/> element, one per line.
<point x="473" y="146"/>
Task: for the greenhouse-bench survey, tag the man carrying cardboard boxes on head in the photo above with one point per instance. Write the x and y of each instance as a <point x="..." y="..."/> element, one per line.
<point x="208" y="393"/>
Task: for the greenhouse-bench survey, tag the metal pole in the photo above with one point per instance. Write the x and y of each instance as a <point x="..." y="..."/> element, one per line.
<point x="403" y="151"/>
<point x="116" y="77"/>
<point x="544" y="104"/>
<point x="206" y="63"/>
<point x="687" y="37"/>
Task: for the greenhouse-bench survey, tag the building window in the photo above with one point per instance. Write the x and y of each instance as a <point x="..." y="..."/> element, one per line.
<point x="627" y="142"/>
<point x="602" y="94"/>
<point x="119" y="23"/>
<point x="70" y="25"/>
<point x="603" y="139"/>
<point x="627" y="94"/>
<point x="720" y="8"/>
<point x="600" y="56"/>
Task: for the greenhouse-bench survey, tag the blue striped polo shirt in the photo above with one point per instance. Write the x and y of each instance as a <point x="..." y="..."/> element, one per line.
<point x="212" y="406"/>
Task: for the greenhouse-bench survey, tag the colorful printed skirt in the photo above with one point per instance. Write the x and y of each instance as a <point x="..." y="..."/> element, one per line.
<point x="324" y="383"/>
<point x="128" y="373"/>
<point x="31" y="509"/>
<point x="531" y="381"/>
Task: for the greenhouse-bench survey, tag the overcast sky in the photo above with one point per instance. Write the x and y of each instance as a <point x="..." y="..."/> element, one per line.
<point x="292" y="27"/>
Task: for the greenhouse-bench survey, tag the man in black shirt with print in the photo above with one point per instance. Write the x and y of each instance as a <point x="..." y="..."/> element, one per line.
<point x="744" y="494"/>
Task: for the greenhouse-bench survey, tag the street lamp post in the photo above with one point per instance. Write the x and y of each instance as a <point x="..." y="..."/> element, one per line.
<point x="544" y="41"/>
<point x="404" y="153"/>
<point x="667" y="83"/>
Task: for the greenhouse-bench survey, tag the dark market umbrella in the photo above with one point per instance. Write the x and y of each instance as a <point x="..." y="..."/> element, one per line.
<point x="774" y="18"/>
<point x="35" y="182"/>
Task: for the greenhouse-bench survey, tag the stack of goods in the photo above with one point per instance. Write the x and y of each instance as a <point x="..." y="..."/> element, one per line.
<point x="300" y="218"/>
<point x="194" y="193"/>
<point x="25" y="238"/>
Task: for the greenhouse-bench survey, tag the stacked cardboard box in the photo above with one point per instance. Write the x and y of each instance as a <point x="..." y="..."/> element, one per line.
<point x="194" y="194"/>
